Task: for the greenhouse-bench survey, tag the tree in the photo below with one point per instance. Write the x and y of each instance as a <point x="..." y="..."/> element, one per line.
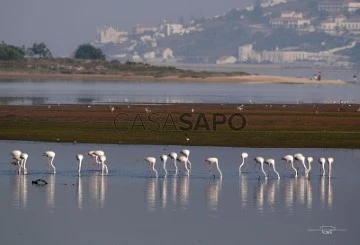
<point x="39" y="50"/>
<point x="87" y="51"/>
<point x="10" y="52"/>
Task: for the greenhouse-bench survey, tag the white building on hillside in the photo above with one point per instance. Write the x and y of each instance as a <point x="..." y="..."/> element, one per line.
<point x="340" y="24"/>
<point x="338" y="5"/>
<point x="269" y="3"/>
<point x="109" y="34"/>
<point x="290" y="19"/>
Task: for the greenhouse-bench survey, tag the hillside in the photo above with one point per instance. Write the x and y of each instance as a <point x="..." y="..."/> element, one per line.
<point x="223" y="34"/>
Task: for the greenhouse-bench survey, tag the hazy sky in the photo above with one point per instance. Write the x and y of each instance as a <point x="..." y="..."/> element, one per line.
<point x="64" y="24"/>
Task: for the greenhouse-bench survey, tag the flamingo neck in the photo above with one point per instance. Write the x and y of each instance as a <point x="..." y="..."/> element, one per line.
<point x="217" y="166"/>
<point x="165" y="167"/>
<point x="303" y="163"/>
<point x="242" y="163"/>
<point x="262" y="169"/>
<point x="292" y="165"/>
<point x="52" y="165"/>
<point x="276" y="171"/>
<point x="176" y="168"/>
<point x="153" y="168"/>
<point x="79" y="166"/>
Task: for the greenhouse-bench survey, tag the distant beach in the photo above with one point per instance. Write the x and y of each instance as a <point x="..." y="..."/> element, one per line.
<point x="252" y="79"/>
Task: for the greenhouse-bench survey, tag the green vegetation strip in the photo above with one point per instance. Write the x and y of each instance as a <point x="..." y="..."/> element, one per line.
<point x="98" y="131"/>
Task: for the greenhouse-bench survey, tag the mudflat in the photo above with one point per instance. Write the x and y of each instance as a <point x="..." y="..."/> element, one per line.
<point x="248" y="125"/>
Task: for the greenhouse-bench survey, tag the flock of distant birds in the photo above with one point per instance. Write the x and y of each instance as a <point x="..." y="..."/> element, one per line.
<point x="98" y="157"/>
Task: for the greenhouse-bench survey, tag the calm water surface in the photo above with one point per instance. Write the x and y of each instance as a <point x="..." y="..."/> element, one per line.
<point x="29" y="92"/>
<point x="129" y="207"/>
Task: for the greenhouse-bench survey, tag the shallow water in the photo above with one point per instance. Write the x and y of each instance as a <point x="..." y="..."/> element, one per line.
<point x="129" y="207"/>
<point x="29" y="92"/>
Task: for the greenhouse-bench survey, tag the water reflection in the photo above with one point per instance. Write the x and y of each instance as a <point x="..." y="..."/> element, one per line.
<point x="184" y="191"/>
<point x="265" y="193"/>
<point x="178" y="188"/>
<point x="243" y="190"/>
<point x="19" y="191"/>
<point x="150" y="194"/>
<point x="164" y="193"/>
<point x="97" y="189"/>
<point x="326" y="192"/>
<point x="174" y="190"/>
<point x="50" y="192"/>
<point x="212" y="191"/>
<point x="79" y="193"/>
<point x="259" y="195"/>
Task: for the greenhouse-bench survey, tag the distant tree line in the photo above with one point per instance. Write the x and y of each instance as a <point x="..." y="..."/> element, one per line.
<point x="40" y="50"/>
<point x="11" y="52"/>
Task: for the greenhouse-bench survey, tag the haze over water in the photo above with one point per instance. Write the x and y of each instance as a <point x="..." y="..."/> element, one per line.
<point x="129" y="207"/>
<point x="28" y="92"/>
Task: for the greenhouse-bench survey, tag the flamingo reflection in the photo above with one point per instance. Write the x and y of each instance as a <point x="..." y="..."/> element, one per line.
<point x="20" y="191"/>
<point x="212" y="191"/>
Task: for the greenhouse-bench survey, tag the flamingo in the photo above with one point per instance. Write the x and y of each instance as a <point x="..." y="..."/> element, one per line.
<point x="184" y="159"/>
<point x="186" y="153"/>
<point x="24" y="157"/>
<point x="95" y="156"/>
<point x="271" y="163"/>
<point x="244" y="156"/>
<point x="322" y="167"/>
<point x="173" y="155"/>
<point x="290" y="158"/>
<point x="17" y="160"/>
<point x="164" y="159"/>
<point x="296" y="156"/>
<point x="310" y="161"/>
<point x="330" y="161"/>
<point x="151" y="161"/>
<point x="50" y="155"/>
<point x="211" y="161"/>
<point x="79" y="158"/>
<point x="260" y="160"/>
<point x="103" y="165"/>
<point x="301" y="158"/>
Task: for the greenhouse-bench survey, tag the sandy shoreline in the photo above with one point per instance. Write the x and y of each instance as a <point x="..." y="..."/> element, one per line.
<point x="250" y="79"/>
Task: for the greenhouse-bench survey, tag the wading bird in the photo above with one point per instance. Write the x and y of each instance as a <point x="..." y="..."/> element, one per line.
<point x="23" y="158"/>
<point x="173" y="155"/>
<point x="210" y="161"/>
<point x="184" y="159"/>
<point x="15" y="155"/>
<point x="330" y="162"/>
<point x="186" y="153"/>
<point x="271" y="163"/>
<point x="103" y="165"/>
<point x="296" y="156"/>
<point x="290" y="158"/>
<point x="301" y="158"/>
<point x="244" y="156"/>
<point x="310" y="161"/>
<point x="50" y="155"/>
<point x="322" y="165"/>
<point x="151" y="161"/>
<point x="164" y="158"/>
<point x="79" y="158"/>
<point x="260" y="160"/>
